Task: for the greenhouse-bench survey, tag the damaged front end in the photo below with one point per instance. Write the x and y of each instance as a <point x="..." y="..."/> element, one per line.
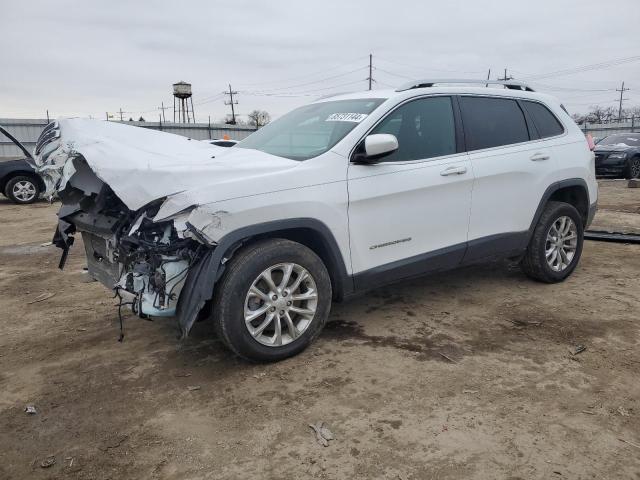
<point x="145" y="262"/>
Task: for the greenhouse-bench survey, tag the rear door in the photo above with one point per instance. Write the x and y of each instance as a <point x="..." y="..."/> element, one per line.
<point x="409" y="213"/>
<point x="512" y="169"/>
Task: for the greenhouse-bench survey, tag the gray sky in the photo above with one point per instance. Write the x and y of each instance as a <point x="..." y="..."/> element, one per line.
<point x="85" y="58"/>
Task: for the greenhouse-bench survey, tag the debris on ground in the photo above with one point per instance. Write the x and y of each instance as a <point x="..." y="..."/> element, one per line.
<point x="470" y="391"/>
<point x="48" y="462"/>
<point x="323" y="434"/>
<point x="30" y="409"/>
<point x="629" y="443"/>
<point x="525" y="323"/>
<point x="194" y="388"/>
<point x="182" y="374"/>
<point x="114" y="442"/>
<point x="633" y="183"/>
<point x="623" y="411"/>
<point x="42" y="297"/>
<point x="578" y="349"/>
<point x="447" y="357"/>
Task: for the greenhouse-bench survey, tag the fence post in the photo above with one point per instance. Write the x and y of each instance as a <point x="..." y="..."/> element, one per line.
<point x="633" y="118"/>
<point x="209" y="127"/>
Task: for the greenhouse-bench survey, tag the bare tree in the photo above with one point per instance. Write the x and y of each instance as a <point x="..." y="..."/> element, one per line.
<point x="579" y="118"/>
<point x="599" y="114"/>
<point x="259" y="118"/>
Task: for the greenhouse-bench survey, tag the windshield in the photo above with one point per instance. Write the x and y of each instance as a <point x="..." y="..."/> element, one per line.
<point x="628" y="139"/>
<point x="309" y="131"/>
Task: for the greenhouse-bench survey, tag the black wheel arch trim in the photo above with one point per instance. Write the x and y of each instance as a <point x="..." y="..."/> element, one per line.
<point x="200" y="283"/>
<point x="551" y="189"/>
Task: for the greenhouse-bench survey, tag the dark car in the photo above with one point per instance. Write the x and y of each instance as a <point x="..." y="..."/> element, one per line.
<point x="19" y="181"/>
<point x="618" y="156"/>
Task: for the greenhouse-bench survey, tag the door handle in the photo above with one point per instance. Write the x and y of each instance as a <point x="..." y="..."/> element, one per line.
<point x="453" y="171"/>
<point x="537" y="157"/>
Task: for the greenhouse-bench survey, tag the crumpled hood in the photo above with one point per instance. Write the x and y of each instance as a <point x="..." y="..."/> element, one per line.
<point x="141" y="165"/>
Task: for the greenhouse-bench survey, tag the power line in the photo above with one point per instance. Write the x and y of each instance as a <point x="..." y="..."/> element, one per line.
<point x="315" y="81"/>
<point x="302" y="93"/>
<point x="293" y="79"/>
<point x="585" y="68"/>
<point x="424" y="68"/>
<point x="394" y="74"/>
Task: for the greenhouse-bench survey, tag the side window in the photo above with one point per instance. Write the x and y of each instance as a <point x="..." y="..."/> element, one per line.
<point x="492" y="122"/>
<point x="425" y="128"/>
<point x="546" y="122"/>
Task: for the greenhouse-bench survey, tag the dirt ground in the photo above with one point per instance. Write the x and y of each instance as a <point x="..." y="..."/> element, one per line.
<point x="462" y="375"/>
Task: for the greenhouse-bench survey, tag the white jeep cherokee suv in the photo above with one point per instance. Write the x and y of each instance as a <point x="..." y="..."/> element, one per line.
<point x="335" y="198"/>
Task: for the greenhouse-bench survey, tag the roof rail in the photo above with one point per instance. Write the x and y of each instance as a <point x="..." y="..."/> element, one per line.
<point x="510" y="84"/>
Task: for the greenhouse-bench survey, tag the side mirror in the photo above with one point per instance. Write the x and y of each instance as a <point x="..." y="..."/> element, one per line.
<point x="376" y="146"/>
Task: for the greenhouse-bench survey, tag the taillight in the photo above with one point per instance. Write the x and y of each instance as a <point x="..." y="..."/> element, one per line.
<point x="590" y="142"/>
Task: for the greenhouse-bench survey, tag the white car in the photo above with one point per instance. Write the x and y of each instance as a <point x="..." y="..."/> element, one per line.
<point x="335" y="198"/>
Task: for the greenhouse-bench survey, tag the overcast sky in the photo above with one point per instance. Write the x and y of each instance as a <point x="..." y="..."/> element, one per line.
<point x="81" y="58"/>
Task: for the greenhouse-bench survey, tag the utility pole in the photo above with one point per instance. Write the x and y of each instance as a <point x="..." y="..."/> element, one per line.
<point x="121" y="112"/>
<point x="622" y="90"/>
<point x="231" y="102"/>
<point x="505" y="78"/>
<point x="163" y="108"/>
<point x="370" y="77"/>
<point x="488" y="76"/>
<point x="48" y="121"/>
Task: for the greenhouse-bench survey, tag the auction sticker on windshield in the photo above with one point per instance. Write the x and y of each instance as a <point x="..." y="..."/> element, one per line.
<point x="346" y="117"/>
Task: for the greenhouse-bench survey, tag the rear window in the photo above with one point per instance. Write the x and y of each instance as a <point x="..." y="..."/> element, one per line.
<point x="492" y="122"/>
<point x="546" y="122"/>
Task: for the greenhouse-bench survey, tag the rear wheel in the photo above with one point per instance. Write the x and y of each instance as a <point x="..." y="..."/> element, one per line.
<point x="556" y="244"/>
<point x="22" y="189"/>
<point x="272" y="301"/>
<point x="632" y="170"/>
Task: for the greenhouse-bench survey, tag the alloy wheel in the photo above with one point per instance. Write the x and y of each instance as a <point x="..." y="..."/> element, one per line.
<point x="635" y="168"/>
<point x="280" y="304"/>
<point x="24" y="191"/>
<point x="561" y="244"/>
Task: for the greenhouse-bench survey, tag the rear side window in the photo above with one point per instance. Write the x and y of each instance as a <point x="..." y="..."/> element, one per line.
<point x="425" y="128"/>
<point x="546" y="122"/>
<point x="492" y="122"/>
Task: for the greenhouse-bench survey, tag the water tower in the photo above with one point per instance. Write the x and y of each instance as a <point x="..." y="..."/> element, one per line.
<point x="182" y="96"/>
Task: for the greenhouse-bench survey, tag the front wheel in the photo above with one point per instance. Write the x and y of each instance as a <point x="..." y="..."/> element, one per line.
<point x="272" y="301"/>
<point x="556" y="244"/>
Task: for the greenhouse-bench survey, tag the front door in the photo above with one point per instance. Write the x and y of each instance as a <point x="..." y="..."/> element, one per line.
<point x="409" y="213"/>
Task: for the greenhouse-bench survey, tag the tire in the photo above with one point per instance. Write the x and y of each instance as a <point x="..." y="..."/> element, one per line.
<point x="632" y="169"/>
<point x="535" y="263"/>
<point x="22" y="189"/>
<point x="232" y="300"/>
